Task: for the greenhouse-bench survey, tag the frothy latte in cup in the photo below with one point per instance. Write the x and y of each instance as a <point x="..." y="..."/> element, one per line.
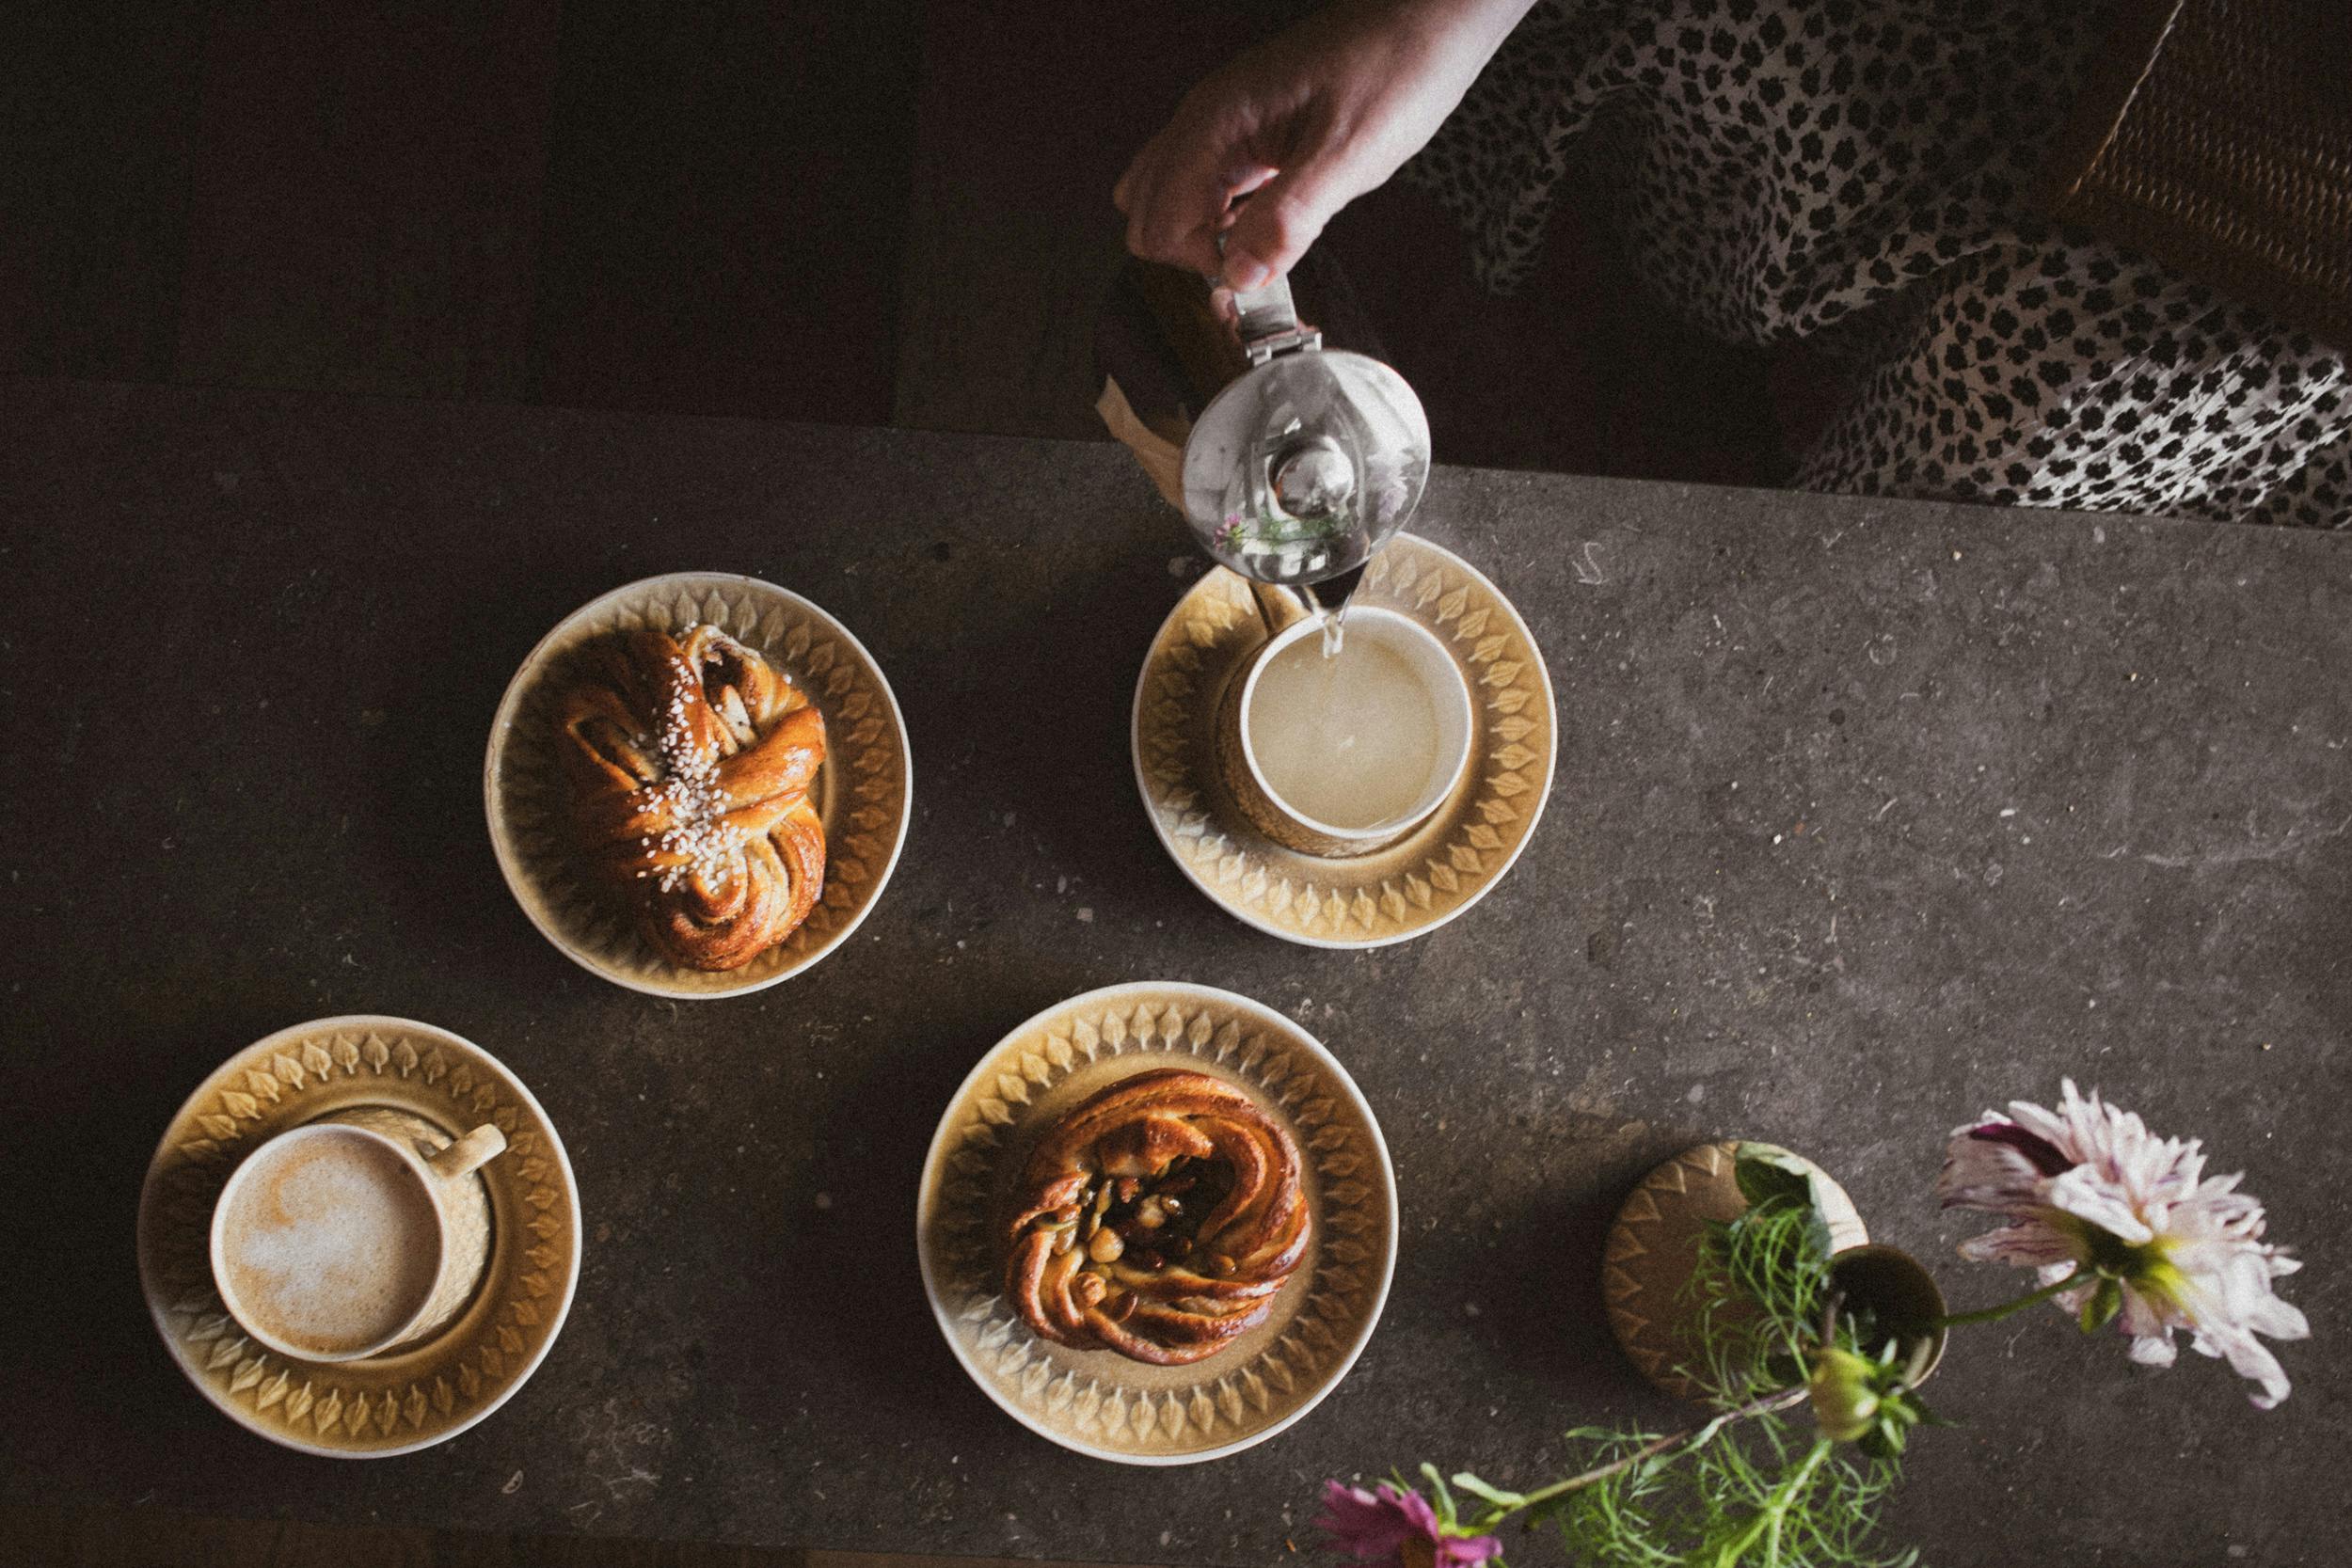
<point x="329" y="1242"/>
<point x="1349" y="738"/>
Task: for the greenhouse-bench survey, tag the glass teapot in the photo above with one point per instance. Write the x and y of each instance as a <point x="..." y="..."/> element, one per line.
<point x="1304" y="466"/>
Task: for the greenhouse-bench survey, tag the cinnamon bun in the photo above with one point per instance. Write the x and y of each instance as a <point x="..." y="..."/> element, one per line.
<point x="1158" y="1219"/>
<point x="691" y="761"/>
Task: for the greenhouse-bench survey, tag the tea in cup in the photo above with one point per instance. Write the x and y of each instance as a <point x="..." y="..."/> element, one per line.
<point x="1342" y="749"/>
<point x="353" y="1235"/>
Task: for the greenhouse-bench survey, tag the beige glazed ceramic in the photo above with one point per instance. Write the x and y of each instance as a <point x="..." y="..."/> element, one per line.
<point x="861" y="791"/>
<point x="391" y="1073"/>
<point x="1099" y="1403"/>
<point x="1406" y="888"/>
<point x="443" y="1171"/>
<point x="1246" y="785"/>
<point x="1654" y="1247"/>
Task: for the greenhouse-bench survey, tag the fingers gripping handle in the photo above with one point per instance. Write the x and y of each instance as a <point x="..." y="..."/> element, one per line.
<point x="1266" y="319"/>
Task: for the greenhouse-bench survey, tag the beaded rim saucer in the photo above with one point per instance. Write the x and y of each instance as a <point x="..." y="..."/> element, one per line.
<point x="863" y="792"/>
<point x="1098" y="1403"/>
<point x="416" y="1395"/>
<point x="1427" y="877"/>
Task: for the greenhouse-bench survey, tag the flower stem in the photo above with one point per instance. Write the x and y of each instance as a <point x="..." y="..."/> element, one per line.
<point x="1677" y="1442"/>
<point x="1766" y="1526"/>
<point x="1993" y="1314"/>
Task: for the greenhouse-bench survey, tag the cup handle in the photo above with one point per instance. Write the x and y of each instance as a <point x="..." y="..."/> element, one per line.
<point x="476" y="1149"/>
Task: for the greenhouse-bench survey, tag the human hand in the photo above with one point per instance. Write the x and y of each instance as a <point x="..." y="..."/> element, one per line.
<point x="1301" y="125"/>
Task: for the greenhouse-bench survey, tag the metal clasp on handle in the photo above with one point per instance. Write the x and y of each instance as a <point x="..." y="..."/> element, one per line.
<point x="1267" y="323"/>
<point x="1266" y="319"/>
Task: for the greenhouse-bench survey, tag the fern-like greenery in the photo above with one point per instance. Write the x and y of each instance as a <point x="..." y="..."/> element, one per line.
<point x="1812" y="1403"/>
<point x="1766" y="1491"/>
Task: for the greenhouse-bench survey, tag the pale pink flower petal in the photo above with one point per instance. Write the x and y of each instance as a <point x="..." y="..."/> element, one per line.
<point x="2029" y="1243"/>
<point x="1987" y="1168"/>
<point x="2249" y="1359"/>
<point x="2073" y="1301"/>
<point x="2087" y="1186"/>
<point x="2151" y="1341"/>
<point x="2098" y="1200"/>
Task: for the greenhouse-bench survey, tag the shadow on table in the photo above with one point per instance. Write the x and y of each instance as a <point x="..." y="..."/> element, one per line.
<point x="846" y="1276"/>
<point x="1542" y="1286"/>
<point x="1020" y="728"/>
<point x="76" y="1301"/>
<point x="421" y="763"/>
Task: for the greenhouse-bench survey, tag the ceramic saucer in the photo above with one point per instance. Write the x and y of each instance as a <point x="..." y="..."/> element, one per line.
<point x="1653" y="1249"/>
<point x="418" y="1395"/>
<point x="862" y="792"/>
<point x="1097" y="1401"/>
<point x="1414" y="885"/>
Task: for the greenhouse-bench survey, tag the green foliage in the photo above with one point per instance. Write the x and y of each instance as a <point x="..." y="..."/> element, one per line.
<point x="1763" y="1483"/>
<point x="1813" y="1408"/>
<point x="1775" y="1182"/>
<point x="1506" y="1502"/>
<point x="2103" y="1305"/>
<point x="1440" y="1500"/>
<point x="1762" y="1284"/>
<point x="1762" y="1492"/>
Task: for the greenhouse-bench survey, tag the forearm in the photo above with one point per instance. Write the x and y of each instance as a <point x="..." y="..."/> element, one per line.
<point x="1479" y="24"/>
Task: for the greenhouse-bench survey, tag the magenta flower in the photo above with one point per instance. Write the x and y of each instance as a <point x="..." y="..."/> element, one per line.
<point x="1393" y="1526"/>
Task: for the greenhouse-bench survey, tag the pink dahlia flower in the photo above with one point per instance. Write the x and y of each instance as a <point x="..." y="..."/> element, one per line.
<point x="1393" y="1526"/>
<point x="2087" y="1190"/>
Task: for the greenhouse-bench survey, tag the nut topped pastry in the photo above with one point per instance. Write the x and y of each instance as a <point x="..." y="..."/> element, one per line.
<point x="1158" y="1219"/>
<point x="690" y="760"/>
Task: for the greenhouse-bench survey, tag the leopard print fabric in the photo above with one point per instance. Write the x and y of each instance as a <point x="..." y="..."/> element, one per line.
<point x="1854" y="172"/>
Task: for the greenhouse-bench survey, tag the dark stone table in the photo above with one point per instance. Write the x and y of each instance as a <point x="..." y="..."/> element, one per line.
<point x="1868" y="815"/>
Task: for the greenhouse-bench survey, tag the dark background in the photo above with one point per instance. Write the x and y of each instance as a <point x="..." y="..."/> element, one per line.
<point x="876" y="213"/>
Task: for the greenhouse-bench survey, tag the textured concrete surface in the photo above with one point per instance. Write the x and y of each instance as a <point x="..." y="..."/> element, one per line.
<point x="1869" y="814"/>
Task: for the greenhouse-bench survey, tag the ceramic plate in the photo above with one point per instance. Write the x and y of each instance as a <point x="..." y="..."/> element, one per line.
<point x="1414" y="885"/>
<point x="862" y="792"/>
<point x="1097" y="1401"/>
<point x="421" y="1394"/>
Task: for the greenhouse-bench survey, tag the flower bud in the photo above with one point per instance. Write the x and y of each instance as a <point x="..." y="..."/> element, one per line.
<point x="1841" y="1387"/>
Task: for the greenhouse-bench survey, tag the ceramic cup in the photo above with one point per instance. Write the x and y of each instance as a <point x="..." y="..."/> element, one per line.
<point x="1901" y="1293"/>
<point x="353" y="1235"/>
<point x="1420" y="651"/>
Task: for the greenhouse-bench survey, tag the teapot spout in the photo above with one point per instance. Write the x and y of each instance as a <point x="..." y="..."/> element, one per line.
<point x="1281" y="606"/>
<point x="1333" y="594"/>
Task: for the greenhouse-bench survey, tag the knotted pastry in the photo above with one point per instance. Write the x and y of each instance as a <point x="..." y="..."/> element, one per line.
<point x="691" y="761"/>
<point x="1158" y="1219"/>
